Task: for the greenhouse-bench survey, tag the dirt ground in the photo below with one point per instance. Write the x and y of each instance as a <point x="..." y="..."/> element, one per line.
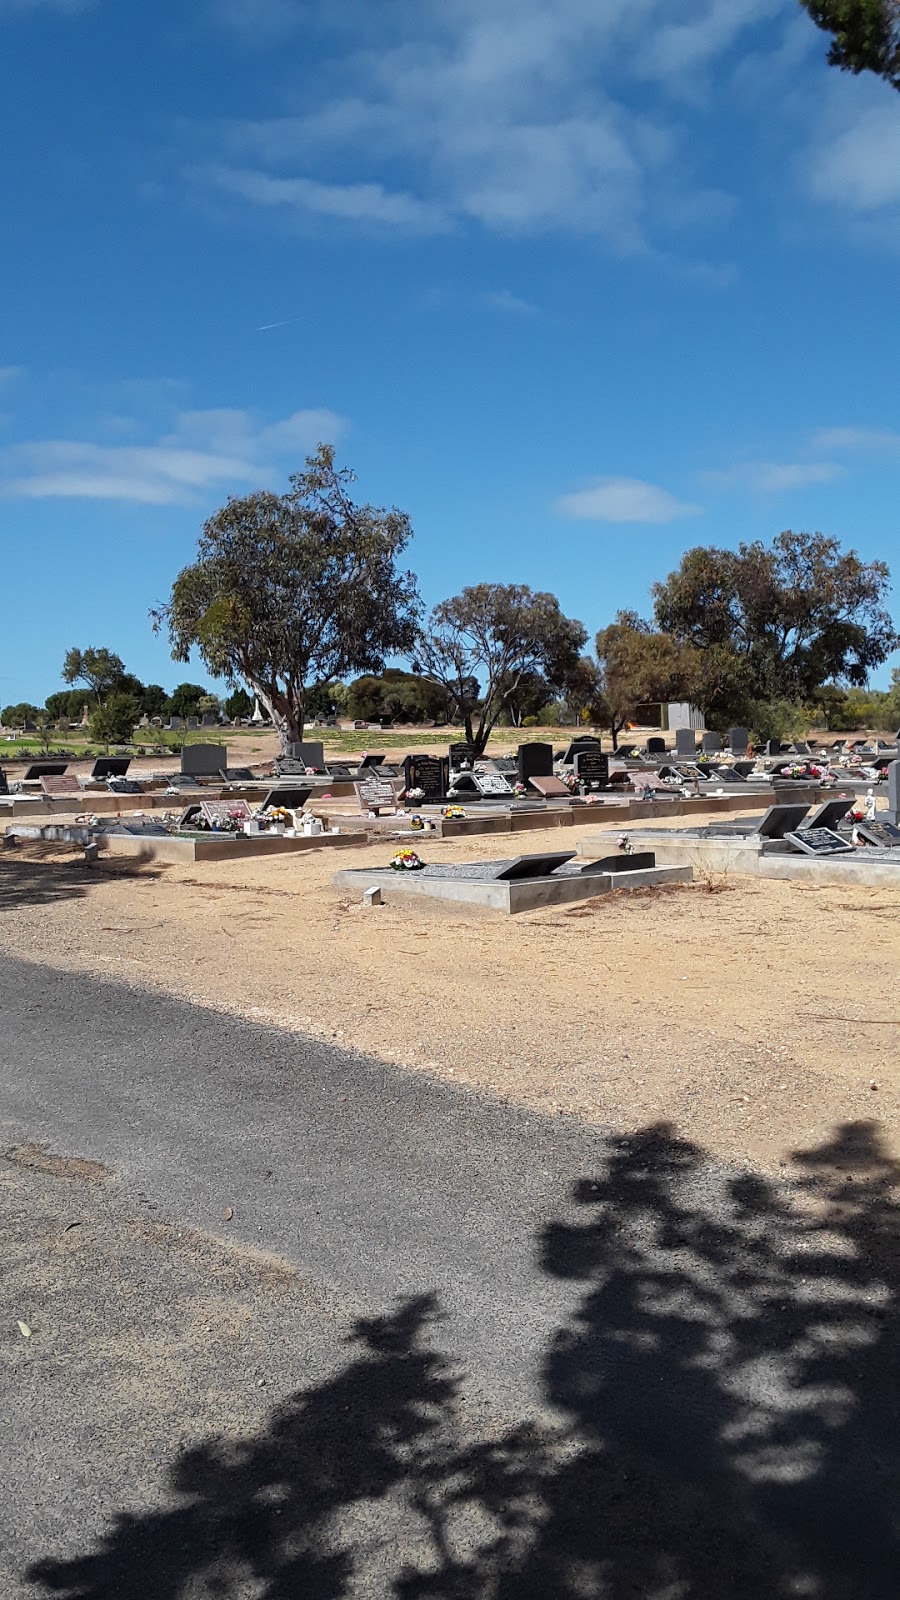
<point x="754" y="1016"/>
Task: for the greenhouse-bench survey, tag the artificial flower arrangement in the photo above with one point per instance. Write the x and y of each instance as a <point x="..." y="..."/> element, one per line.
<point x="453" y="814"/>
<point x="571" y="782"/>
<point x="406" y="861"/>
<point x="623" y="842"/>
<point x="415" y="794"/>
<point x="520" y="789"/>
<point x="274" y="815"/>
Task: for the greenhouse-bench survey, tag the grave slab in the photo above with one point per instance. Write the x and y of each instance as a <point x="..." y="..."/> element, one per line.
<point x="503" y="895"/>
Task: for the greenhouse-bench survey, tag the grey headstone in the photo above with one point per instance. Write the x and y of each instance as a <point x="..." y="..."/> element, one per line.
<point x="893" y="786"/>
<point x="310" y="751"/>
<point x="712" y="743"/>
<point x="203" y="760"/>
<point x="738" y="741"/>
<point x="208" y="719"/>
<point x="174" y="723"/>
<point x="193" y="724"/>
<point x="685" y="742"/>
<point x="829" y="814"/>
<point x="583" y="741"/>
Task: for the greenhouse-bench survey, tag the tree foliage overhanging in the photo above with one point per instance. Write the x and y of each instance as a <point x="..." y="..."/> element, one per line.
<point x="866" y="34"/>
<point x="289" y="591"/>
<point x="485" y="643"/>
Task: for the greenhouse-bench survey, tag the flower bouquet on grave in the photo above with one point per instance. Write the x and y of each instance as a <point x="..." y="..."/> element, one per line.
<point x="415" y="794"/>
<point x="623" y="842"/>
<point x="453" y="814"/>
<point x="856" y="813"/>
<point x="520" y="789"/>
<point x="571" y="782"/>
<point x="406" y="861"/>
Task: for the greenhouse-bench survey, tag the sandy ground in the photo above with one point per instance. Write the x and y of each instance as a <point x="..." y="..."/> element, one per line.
<point x="754" y="1016"/>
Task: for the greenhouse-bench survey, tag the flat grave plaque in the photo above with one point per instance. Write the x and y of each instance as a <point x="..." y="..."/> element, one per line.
<point x="290" y="795"/>
<point x="44" y="769"/>
<point x="818" y="842"/>
<point x="492" y="785"/>
<point x="60" y="786"/>
<point x="375" y="794"/>
<point x="550" y="788"/>
<point x="829" y="814"/>
<point x="537" y="866"/>
<point x="428" y="773"/>
<point x="225" y="811"/>
<point x="374" y="759"/>
<point x="779" y="820"/>
<point x="110" y="766"/>
<point x="638" y="861"/>
<point x="884" y="834"/>
<point x="238" y="775"/>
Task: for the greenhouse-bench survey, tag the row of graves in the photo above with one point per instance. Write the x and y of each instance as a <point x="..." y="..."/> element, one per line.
<point x="842" y="839"/>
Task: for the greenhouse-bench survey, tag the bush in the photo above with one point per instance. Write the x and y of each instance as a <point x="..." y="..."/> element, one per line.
<point x="531" y="722"/>
<point x="779" y="719"/>
<point x="115" y="722"/>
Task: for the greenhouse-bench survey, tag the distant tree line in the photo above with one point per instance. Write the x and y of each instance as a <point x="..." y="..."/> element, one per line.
<point x="299" y="600"/>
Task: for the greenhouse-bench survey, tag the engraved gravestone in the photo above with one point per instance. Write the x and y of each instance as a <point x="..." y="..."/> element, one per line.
<point x="461" y="755"/>
<point x="685" y="742"/>
<point x="428" y="773"/>
<point x="819" y="842"/>
<point x="62" y="786"/>
<point x="492" y="785"/>
<point x="884" y="834"/>
<point x="738" y="741"/>
<point x="375" y="794"/>
<point x="592" y="768"/>
<point x="219" y="811"/>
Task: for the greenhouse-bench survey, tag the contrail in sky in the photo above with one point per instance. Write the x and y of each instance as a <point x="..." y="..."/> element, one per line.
<point x="265" y="326"/>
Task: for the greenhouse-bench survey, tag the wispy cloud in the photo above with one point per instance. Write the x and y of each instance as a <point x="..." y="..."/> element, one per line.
<point x="366" y="203"/>
<point x="205" y="451"/>
<point x="511" y="116"/>
<point x="872" y="440"/>
<point x="774" y="477"/>
<point x="624" y="500"/>
<point x="858" y="168"/>
<point x="510" y="304"/>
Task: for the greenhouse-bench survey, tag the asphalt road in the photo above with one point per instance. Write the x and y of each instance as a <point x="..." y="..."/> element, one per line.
<point x="318" y="1327"/>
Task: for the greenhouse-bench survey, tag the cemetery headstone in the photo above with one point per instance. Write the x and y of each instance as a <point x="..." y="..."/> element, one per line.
<point x="685" y="742"/>
<point x="238" y="775"/>
<point x="203" y="760"/>
<point x="738" y="741"/>
<point x="537" y="866"/>
<point x="290" y="795"/>
<point x="492" y="785"/>
<point x="110" y="767"/>
<point x="773" y="747"/>
<point x="64" y="786"/>
<point x="461" y="755"/>
<point x="551" y="788"/>
<point x="4" y="781"/>
<point x="638" y="861"/>
<point x="534" y="761"/>
<point x="829" y="814"/>
<point x="711" y="743"/>
<point x="893" y="783"/>
<point x="375" y="794"/>
<point x="193" y="724"/>
<point x="44" y="769"/>
<point x="885" y="834"/>
<point x="819" y="842"/>
<point x="208" y="719"/>
<point x="374" y="759"/>
<point x="428" y="773"/>
<point x="780" y="820"/>
<point x="801" y="747"/>
<point x="656" y="746"/>
<point x="583" y="742"/>
<point x="592" y="768"/>
<point x="625" y="751"/>
<point x="743" y="768"/>
<point x="310" y="751"/>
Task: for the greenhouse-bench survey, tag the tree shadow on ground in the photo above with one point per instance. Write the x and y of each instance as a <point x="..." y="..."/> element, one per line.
<point x="727" y="1402"/>
<point x="37" y="880"/>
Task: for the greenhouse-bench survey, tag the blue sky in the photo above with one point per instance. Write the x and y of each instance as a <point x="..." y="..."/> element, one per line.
<point x="574" y="284"/>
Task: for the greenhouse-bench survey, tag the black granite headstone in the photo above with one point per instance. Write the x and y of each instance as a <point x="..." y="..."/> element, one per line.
<point x="534" y="761"/>
<point x="428" y="773"/>
<point x="818" y="842"/>
<point x="592" y="767"/>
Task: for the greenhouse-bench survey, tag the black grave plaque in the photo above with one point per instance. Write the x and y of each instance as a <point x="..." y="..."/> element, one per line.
<point x="592" y="767"/>
<point x="819" y="842"/>
<point x="461" y="755"/>
<point x="885" y="834"/>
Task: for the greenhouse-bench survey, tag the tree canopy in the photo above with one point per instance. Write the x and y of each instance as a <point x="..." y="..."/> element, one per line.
<point x="482" y="645"/>
<point x="99" y="668"/>
<point x="866" y="34"/>
<point x="289" y="591"/>
<point x="637" y="666"/>
<point x="778" y="622"/>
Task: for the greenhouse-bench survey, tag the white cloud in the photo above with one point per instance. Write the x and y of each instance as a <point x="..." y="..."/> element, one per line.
<point x="205" y="451"/>
<point x="775" y="477"/>
<point x="624" y="500"/>
<point x="859" y="168"/>
<point x="509" y="115"/>
<point x="864" y="439"/>
<point x="511" y="304"/>
<point x="348" y="202"/>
